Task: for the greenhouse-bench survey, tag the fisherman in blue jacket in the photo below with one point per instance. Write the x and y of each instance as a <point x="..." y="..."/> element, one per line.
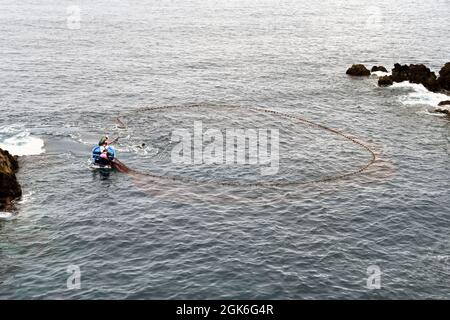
<point x="103" y="154"/>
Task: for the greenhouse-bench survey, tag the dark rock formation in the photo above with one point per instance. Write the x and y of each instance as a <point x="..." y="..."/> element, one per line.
<point x="442" y="110"/>
<point x="9" y="187"/>
<point x="358" y="70"/>
<point x="400" y="73"/>
<point x="444" y="77"/>
<point x="443" y="107"/>
<point x="378" y="68"/>
<point x="385" y="81"/>
<point x="416" y="73"/>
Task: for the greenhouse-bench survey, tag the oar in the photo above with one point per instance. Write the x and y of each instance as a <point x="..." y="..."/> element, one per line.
<point x="114" y="141"/>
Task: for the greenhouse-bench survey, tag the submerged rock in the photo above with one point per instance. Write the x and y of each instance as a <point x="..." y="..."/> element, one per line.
<point x="443" y="110"/>
<point x="378" y="68"/>
<point x="443" y="107"/>
<point x="9" y="187"/>
<point x="444" y="77"/>
<point x="385" y="81"/>
<point x="358" y="70"/>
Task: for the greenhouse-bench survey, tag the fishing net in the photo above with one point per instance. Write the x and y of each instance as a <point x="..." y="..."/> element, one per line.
<point x="307" y="153"/>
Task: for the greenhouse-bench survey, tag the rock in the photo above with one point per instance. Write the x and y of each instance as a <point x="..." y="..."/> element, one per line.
<point x="378" y="68"/>
<point x="416" y="73"/>
<point x="400" y="73"/>
<point x="358" y="70"/>
<point x="444" y="103"/>
<point x="385" y="81"/>
<point x="9" y="187"/>
<point x="444" y="77"/>
<point x="442" y="110"/>
<point x="419" y="73"/>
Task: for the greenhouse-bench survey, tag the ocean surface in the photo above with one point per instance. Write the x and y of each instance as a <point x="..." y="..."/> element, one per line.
<point x="73" y="71"/>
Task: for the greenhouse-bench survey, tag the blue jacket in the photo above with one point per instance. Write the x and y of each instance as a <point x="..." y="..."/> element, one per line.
<point x="97" y="151"/>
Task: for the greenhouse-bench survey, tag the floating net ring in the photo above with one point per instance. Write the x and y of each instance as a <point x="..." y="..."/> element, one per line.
<point x="174" y="178"/>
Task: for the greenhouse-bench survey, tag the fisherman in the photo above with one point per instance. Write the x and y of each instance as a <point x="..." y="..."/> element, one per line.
<point x="103" y="154"/>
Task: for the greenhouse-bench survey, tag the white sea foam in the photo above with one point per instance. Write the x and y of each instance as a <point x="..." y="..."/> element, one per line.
<point x="5" y="215"/>
<point x="380" y="73"/>
<point x="21" y="144"/>
<point x="419" y="95"/>
<point x="431" y="113"/>
<point x="26" y="197"/>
